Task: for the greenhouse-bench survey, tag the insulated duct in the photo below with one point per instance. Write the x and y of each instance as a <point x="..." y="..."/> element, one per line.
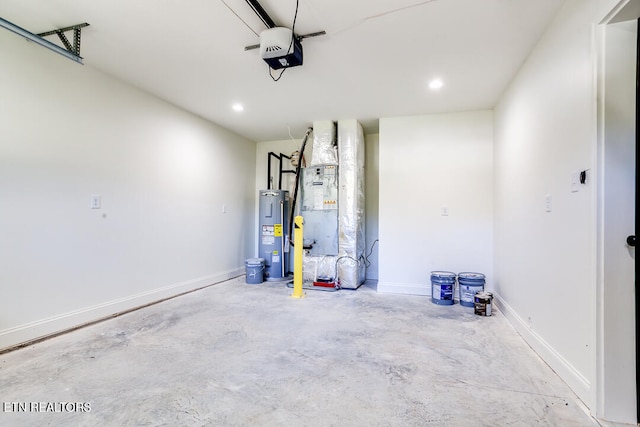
<point x="351" y="219"/>
<point x="337" y="149"/>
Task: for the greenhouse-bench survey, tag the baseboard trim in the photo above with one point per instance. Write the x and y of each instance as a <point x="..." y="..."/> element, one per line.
<point x="29" y="333"/>
<point x="567" y="372"/>
<point x="404" y="288"/>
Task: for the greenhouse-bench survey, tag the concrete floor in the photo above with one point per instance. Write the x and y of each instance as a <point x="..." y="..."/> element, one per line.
<point x="249" y="355"/>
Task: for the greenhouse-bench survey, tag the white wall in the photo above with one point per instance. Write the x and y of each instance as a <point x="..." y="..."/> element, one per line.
<point x="427" y="163"/>
<point x="545" y="261"/>
<point x="67" y="132"/>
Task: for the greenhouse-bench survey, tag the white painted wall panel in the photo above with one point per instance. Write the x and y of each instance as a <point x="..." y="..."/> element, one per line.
<point x="427" y="163"/>
<point x="67" y="132"/>
<point x="545" y="261"/>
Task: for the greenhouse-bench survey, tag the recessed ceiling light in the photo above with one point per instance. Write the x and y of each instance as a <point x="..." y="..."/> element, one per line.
<point x="435" y="84"/>
<point x="237" y="107"/>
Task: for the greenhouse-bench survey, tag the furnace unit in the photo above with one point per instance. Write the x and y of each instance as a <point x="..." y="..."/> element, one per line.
<point x="333" y="205"/>
<point x="320" y="209"/>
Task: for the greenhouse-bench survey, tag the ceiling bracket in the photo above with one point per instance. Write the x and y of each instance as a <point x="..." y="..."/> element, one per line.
<point x="72" y="48"/>
<point x="69" y="51"/>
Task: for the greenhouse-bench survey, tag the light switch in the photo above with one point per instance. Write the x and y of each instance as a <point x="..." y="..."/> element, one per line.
<point x="95" y="201"/>
<point x="575" y="177"/>
<point x="547" y="202"/>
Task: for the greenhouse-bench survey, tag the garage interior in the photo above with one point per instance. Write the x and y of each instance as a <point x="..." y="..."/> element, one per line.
<point x="496" y="137"/>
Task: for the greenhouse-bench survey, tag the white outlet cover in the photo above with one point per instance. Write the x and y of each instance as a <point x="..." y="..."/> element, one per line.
<point x="95" y="201"/>
<point x="547" y="202"/>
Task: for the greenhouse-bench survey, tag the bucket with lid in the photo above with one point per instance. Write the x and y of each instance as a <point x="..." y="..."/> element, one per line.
<point x="469" y="284"/>
<point x="255" y="270"/>
<point x="442" y="284"/>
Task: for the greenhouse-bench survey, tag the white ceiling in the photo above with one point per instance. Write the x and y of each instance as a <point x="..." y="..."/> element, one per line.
<point x="375" y="61"/>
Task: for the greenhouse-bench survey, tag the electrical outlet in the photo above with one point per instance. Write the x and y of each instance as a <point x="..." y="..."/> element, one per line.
<point x="444" y="211"/>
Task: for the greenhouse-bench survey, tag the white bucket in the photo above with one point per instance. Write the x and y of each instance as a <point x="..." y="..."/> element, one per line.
<point x="469" y="285"/>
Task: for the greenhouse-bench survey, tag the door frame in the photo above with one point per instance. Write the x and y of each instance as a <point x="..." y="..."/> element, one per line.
<point x="613" y="378"/>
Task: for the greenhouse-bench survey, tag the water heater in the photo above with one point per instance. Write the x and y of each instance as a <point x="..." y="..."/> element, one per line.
<point x="273" y="229"/>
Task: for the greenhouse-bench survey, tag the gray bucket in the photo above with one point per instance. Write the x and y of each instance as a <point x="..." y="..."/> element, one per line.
<point x="255" y="270"/>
